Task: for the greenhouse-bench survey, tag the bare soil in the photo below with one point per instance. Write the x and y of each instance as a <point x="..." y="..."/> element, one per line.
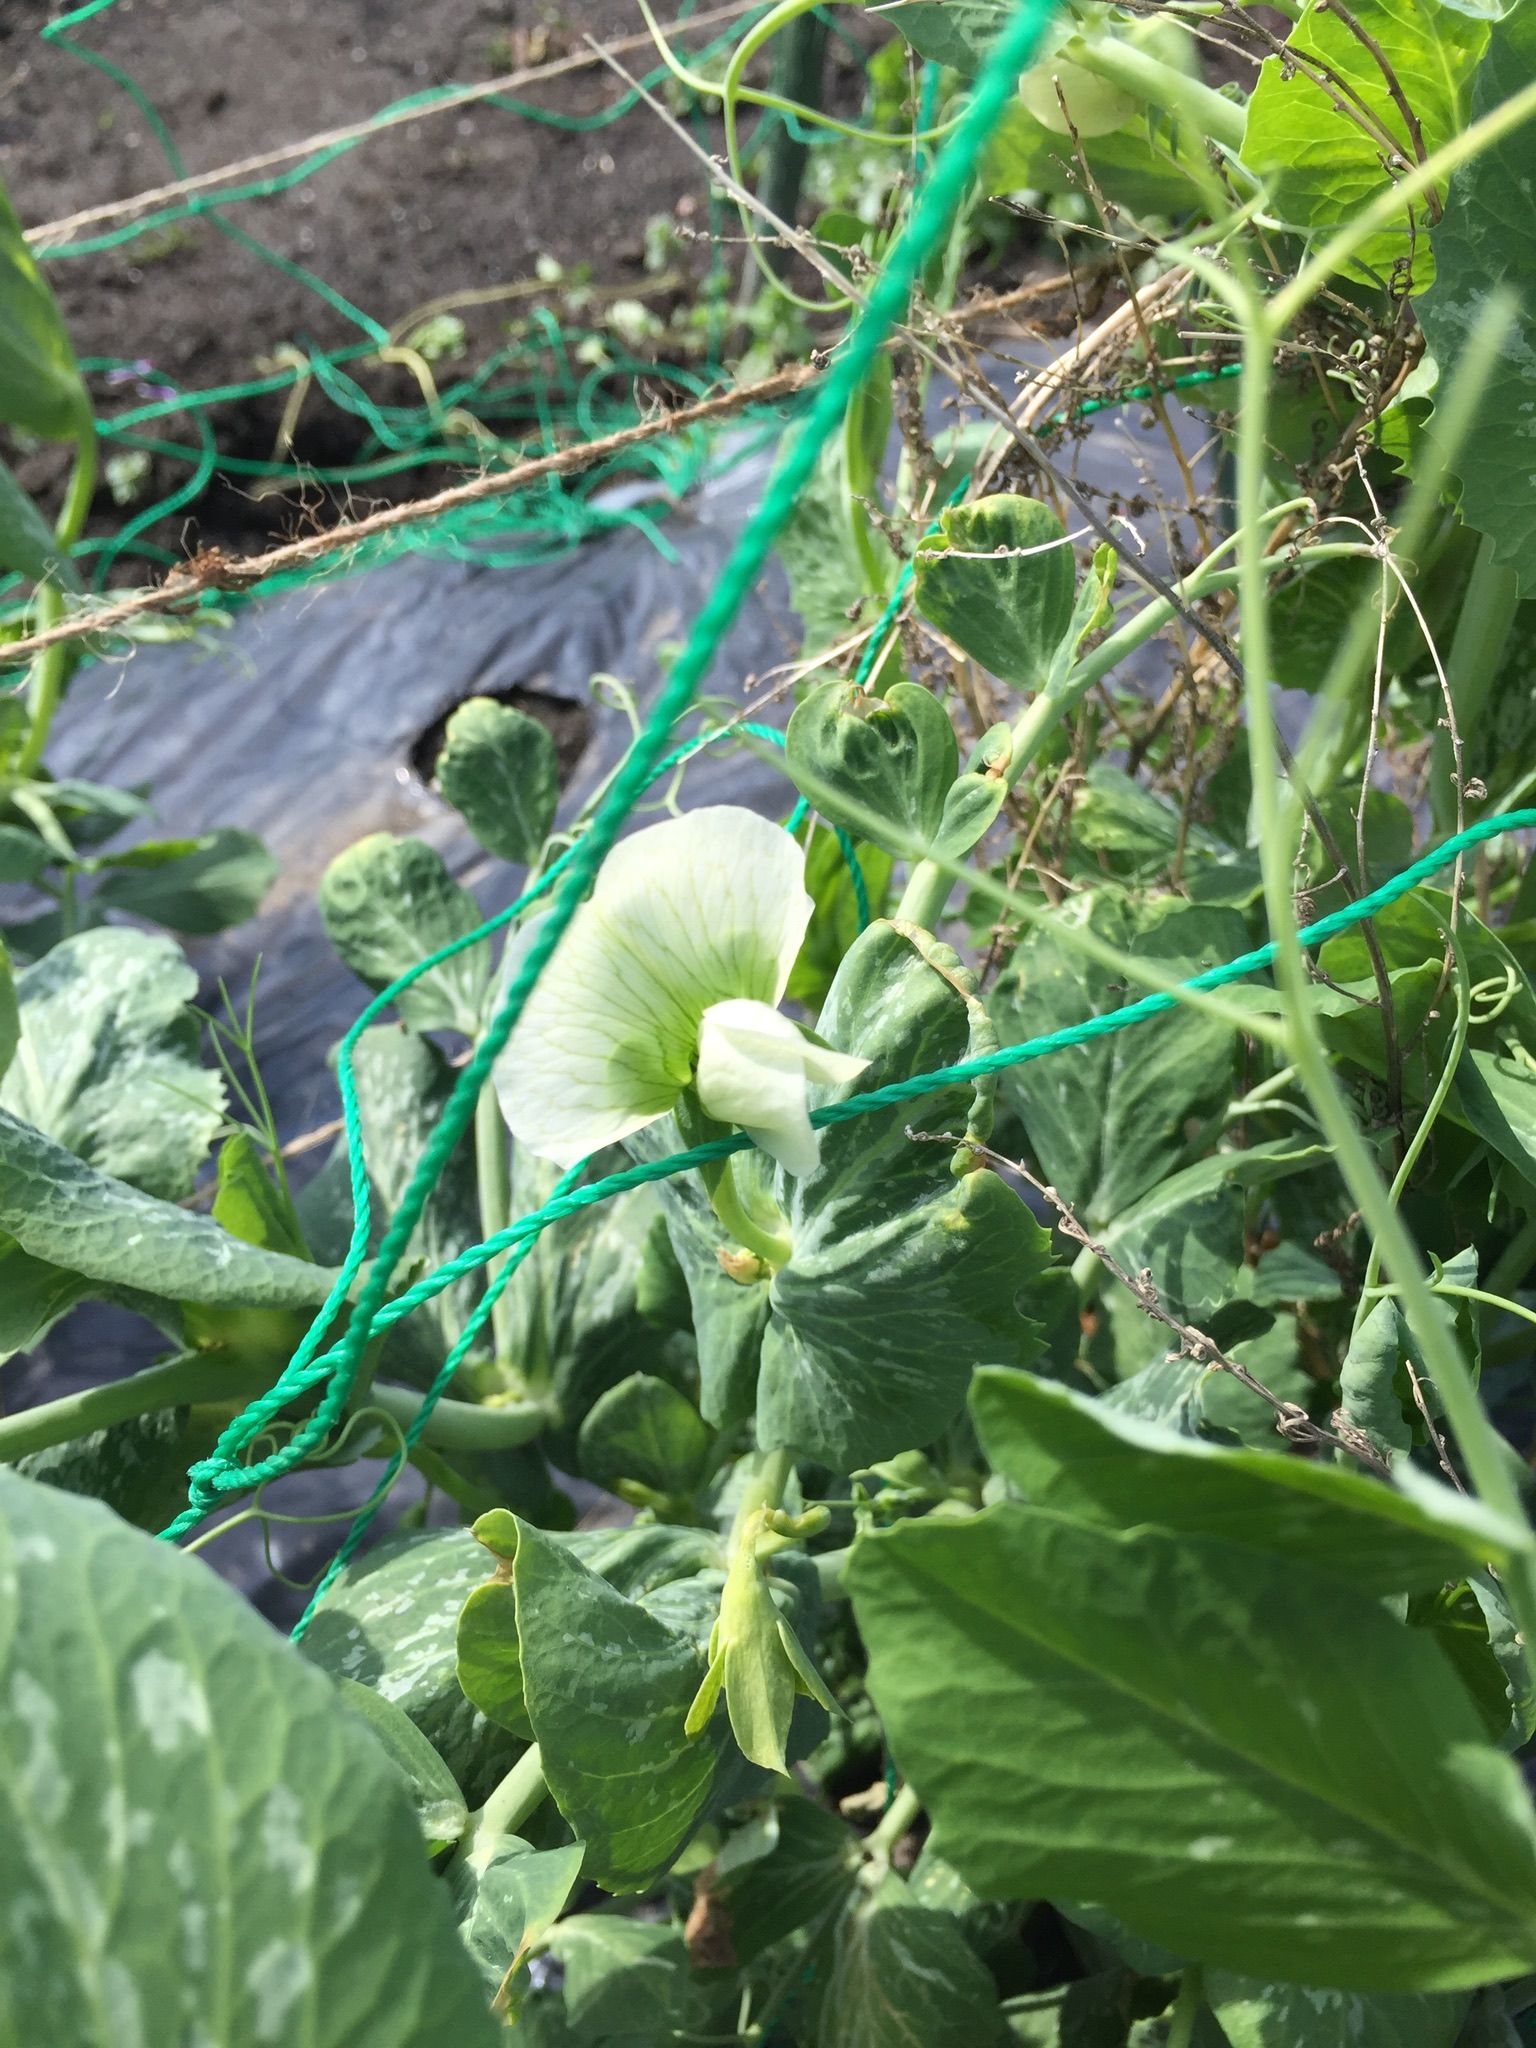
<point x="456" y="201"/>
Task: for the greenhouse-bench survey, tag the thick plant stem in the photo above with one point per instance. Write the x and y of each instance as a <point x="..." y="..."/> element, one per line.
<point x="895" y="1821"/>
<point x="1186" y="2007"/>
<point x="764" y="1488"/>
<point x="46" y="683"/>
<point x="797" y="76"/>
<point x="185" y="1381"/>
<point x="519" y="1795"/>
<point x="197" y="1378"/>
<point x="493" y="1182"/>
<point x="1161" y="86"/>
<point x="730" y="1206"/>
<point x="1483" y="628"/>
<point x="927" y="891"/>
<point x="1479" y="1442"/>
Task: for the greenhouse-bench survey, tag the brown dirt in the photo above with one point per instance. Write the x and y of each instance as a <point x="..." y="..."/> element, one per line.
<point x="464" y="199"/>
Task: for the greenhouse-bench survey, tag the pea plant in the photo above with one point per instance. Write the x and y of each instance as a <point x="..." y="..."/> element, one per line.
<point x="1030" y="1248"/>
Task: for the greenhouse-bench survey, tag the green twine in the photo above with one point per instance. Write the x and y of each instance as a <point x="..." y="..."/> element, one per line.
<point x="569" y="1197"/>
<point x="898" y="1093"/>
<point x="213" y="1478"/>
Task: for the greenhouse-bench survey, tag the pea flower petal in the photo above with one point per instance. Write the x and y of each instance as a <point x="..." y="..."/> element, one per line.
<point x="753" y="1069"/>
<point x="684" y="915"/>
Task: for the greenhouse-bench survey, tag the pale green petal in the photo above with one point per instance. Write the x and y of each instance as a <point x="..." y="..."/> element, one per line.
<point x="753" y="1067"/>
<point x="567" y="1083"/>
<point x="709" y="905"/>
<point x="703" y="907"/>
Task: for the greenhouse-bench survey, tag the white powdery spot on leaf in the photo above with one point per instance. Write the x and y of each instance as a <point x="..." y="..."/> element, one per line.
<point x="40" y="1774"/>
<point x="169" y="1702"/>
<point x="277" y="1979"/>
<point x="283" y="1844"/>
<point x="122" y="1998"/>
<point x="1206" y="1848"/>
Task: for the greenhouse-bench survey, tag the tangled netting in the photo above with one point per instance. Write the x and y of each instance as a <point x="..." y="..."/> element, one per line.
<point x="556" y="380"/>
<point x="331" y="1371"/>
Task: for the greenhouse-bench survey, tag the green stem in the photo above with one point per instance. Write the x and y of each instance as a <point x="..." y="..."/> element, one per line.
<point x="493" y="1181"/>
<point x="1482" y="1449"/>
<point x="1045" y="712"/>
<point x="764" y="1488"/>
<point x="799" y="65"/>
<point x="731" y="1208"/>
<point x="199" y="1377"/>
<point x="1426" y="1124"/>
<point x="1160" y="85"/>
<point x="51" y="669"/>
<point x="895" y="1821"/>
<point x="186" y="1381"/>
<point x="927" y="891"/>
<point x="515" y="1800"/>
<point x="1186" y="2007"/>
<point x="1486" y="620"/>
<point x="466" y="1425"/>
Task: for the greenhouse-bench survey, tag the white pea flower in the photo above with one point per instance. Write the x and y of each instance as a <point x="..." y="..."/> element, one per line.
<point x="669" y="977"/>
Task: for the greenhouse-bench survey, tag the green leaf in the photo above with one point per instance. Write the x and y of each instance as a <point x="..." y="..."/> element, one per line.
<point x="389" y="1623"/>
<point x="387" y="904"/>
<point x="1311" y="1768"/>
<point x="200" y="886"/>
<point x="1385" y="1385"/>
<point x="1496" y="1096"/>
<point x="904" y="1274"/>
<point x="625" y="1977"/>
<point x="822" y="557"/>
<point x="953" y="32"/>
<point x="1010" y="613"/>
<point x="637" y="1563"/>
<point x="1188" y="1230"/>
<point x="23" y="855"/>
<point x="645" y="1431"/>
<point x="834" y="921"/>
<point x="784" y="1870"/>
<point x="197" y="1842"/>
<point x="573" y="1308"/>
<point x="250" y="1205"/>
<point x="510" y="1902"/>
<point x="1108" y="1120"/>
<point x="136" y="1468"/>
<point x="500" y="770"/>
<point x="890" y="758"/>
<point x="10" y="1013"/>
<point x="1079" y="1458"/>
<point x="403" y="1086"/>
<point x="40" y="388"/>
<point x="27" y="543"/>
<point x="608" y="1688"/>
<point x="62" y="1211"/>
<point x="1322" y="165"/>
<point x="441" y="1813"/>
<point x="107" y="1063"/>
<point x="33" y="1296"/>
<point x="904" y="1977"/>
<point x="1287" y="2015"/>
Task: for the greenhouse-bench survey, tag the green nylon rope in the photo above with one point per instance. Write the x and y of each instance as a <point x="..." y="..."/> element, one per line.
<point x="896" y="1093"/>
<point x="212" y="1479"/>
<point x="569" y="1197"/>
